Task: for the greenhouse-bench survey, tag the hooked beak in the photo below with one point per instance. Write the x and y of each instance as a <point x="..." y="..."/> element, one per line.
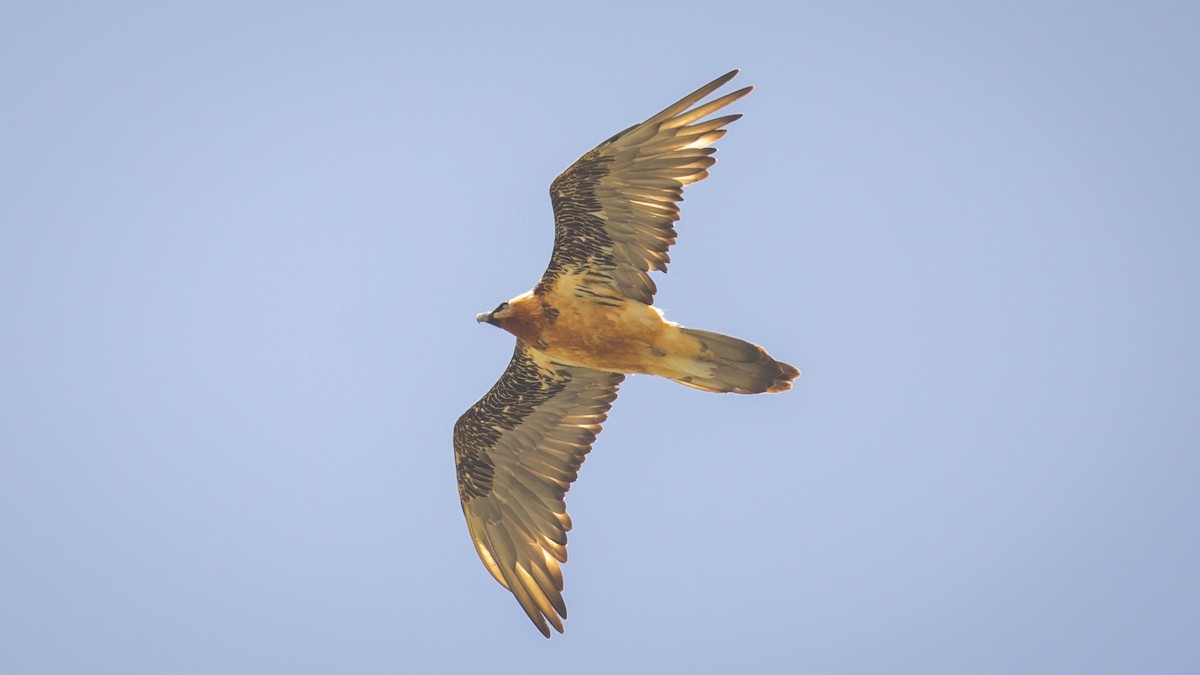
<point x="486" y="317"/>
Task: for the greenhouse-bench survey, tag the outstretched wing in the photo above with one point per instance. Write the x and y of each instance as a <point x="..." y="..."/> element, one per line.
<point x="615" y="208"/>
<point x="518" y="450"/>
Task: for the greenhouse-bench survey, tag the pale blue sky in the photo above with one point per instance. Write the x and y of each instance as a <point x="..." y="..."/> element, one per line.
<point x="242" y="247"/>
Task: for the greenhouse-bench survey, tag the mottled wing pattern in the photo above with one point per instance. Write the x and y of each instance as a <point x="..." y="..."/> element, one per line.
<point x="615" y="208"/>
<point x="517" y="451"/>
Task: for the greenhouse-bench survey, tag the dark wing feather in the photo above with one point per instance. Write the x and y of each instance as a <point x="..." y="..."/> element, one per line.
<point x="517" y="451"/>
<point x="615" y="208"/>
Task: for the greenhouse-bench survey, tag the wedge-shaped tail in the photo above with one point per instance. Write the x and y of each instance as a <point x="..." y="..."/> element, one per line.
<point x="726" y="364"/>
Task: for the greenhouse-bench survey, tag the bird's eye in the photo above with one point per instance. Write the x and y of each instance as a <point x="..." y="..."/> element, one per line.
<point x="503" y="305"/>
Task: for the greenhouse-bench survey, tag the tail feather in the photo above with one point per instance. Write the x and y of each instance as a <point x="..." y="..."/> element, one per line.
<point x="727" y="364"/>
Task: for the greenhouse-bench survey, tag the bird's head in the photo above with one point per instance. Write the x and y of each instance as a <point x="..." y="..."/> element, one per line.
<point x="497" y="316"/>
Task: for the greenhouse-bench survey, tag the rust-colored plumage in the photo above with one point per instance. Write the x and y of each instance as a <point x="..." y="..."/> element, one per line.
<point x="587" y="323"/>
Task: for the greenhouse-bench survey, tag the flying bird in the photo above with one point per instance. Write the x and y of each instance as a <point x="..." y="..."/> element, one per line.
<point x="587" y="323"/>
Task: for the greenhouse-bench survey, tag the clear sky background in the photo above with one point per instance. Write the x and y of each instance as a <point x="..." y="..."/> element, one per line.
<point x="242" y="249"/>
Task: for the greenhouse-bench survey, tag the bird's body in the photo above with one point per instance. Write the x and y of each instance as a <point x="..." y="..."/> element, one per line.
<point x="618" y="337"/>
<point x="626" y="336"/>
<point x="583" y="327"/>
